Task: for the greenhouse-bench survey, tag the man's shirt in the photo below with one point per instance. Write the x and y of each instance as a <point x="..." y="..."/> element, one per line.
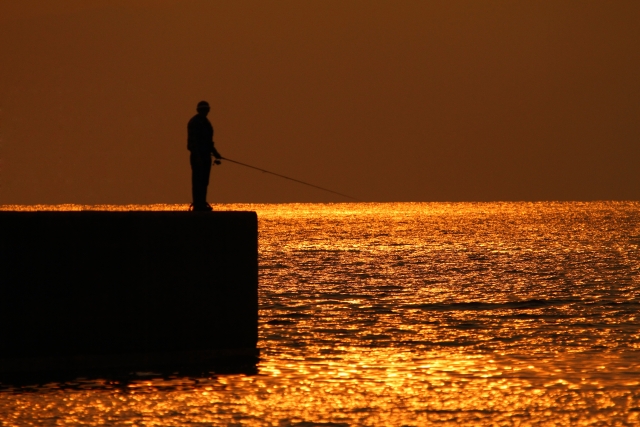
<point x="200" y="135"/>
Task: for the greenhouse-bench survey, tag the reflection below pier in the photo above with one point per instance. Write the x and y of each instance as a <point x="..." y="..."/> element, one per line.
<point x="355" y="386"/>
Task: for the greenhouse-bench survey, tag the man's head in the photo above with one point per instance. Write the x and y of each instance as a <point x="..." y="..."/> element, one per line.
<point x="203" y="108"/>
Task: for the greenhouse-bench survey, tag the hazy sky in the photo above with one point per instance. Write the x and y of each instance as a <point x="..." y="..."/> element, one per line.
<point x="385" y="100"/>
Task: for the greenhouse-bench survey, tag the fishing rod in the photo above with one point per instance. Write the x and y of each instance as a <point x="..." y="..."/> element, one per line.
<point x="289" y="178"/>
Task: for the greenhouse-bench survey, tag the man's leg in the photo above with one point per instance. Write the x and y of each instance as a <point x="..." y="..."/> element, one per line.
<point x="206" y="172"/>
<point x="195" y="181"/>
<point x="200" y="170"/>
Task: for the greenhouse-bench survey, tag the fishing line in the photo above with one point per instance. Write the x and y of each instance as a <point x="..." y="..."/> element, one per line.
<point x="289" y="178"/>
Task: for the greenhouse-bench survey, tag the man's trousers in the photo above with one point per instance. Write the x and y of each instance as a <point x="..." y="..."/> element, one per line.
<point x="200" y="171"/>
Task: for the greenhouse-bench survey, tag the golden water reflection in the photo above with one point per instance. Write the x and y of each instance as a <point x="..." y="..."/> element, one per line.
<point x="409" y="314"/>
<point x="376" y="387"/>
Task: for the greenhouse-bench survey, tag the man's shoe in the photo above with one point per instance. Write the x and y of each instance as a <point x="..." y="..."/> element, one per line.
<point x="202" y="208"/>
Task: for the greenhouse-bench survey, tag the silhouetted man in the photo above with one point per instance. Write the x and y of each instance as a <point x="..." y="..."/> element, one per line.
<point x="200" y="143"/>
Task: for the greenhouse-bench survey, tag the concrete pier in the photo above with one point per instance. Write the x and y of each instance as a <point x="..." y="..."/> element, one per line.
<point x="130" y="290"/>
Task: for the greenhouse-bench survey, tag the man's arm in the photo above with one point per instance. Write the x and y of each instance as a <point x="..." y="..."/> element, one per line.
<point x="215" y="154"/>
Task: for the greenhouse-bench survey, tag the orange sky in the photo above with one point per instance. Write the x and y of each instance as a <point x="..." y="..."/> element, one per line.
<point x="385" y="100"/>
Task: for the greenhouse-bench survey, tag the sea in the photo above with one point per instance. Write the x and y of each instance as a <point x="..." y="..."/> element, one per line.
<point x="406" y="314"/>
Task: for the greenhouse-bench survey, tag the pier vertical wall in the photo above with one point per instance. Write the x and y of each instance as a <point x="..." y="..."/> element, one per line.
<point x="120" y="288"/>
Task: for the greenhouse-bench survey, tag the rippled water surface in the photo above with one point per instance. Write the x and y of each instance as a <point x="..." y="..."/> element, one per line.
<point x="410" y="314"/>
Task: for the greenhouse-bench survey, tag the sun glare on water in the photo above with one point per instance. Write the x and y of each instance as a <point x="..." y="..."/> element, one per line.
<point x="409" y="314"/>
